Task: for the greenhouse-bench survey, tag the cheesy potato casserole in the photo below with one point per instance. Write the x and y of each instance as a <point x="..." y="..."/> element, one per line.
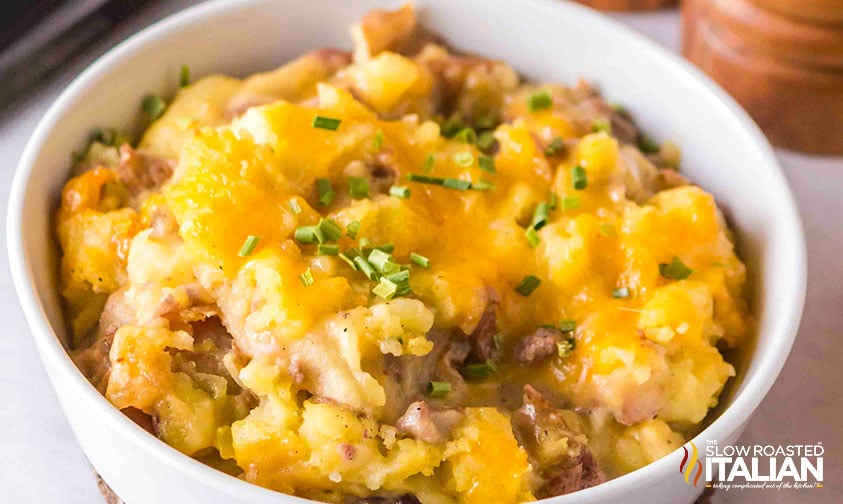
<point x="400" y="275"/>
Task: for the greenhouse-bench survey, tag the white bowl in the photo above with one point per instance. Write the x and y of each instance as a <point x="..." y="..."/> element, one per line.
<point x="724" y="152"/>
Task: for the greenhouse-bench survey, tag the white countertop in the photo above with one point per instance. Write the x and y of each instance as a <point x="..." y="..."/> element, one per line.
<point x="41" y="462"/>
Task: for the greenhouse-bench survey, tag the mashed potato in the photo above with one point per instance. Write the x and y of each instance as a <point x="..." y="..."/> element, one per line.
<point x="401" y="274"/>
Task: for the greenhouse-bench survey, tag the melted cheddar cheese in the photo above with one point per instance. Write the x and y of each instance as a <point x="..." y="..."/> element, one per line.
<point x="286" y="367"/>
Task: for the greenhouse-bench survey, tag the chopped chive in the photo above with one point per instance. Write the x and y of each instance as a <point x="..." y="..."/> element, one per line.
<point x="365" y="267"/>
<point x="486" y="163"/>
<point x="539" y="100"/>
<point x="352" y="229"/>
<point x="385" y="289"/>
<point x="485" y="141"/>
<point x="391" y="268"/>
<point x="485" y="122"/>
<point x="399" y="276"/>
<point x="451" y="127"/>
<point x="348" y="256"/>
<point x="402" y="192"/>
<point x="327" y="123"/>
<point x="607" y="229"/>
<point x="425" y="179"/>
<point x="481" y="370"/>
<point x="553" y="201"/>
<point x="555" y="147"/>
<point x="568" y="325"/>
<point x="528" y="285"/>
<point x="454" y="183"/>
<point x="482" y="185"/>
<point x="386" y="247"/>
<point x="358" y="187"/>
<point x="306" y="277"/>
<point x="377" y="142"/>
<point x="497" y="341"/>
<point x="419" y="260"/>
<point x="571" y="202"/>
<point x="565" y="347"/>
<point x="429" y="161"/>
<point x="464" y="159"/>
<point x="310" y="235"/>
<point x="249" y="245"/>
<point x="364" y="242"/>
<point x="540" y="215"/>
<point x="647" y="145"/>
<point x="620" y="293"/>
<point x="438" y="388"/>
<point x="532" y="237"/>
<point x="184" y="76"/>
<point x="579" y="178"/>
<point x="330" y="229"/>
<point x="325" y="191"/>
<point x="153" y="106"/>
<point x="675" y="270"/>
<point x="598" y="126"/>
<point x="294" y="206"/>
<point x="466" y="135"/>
<point x="378" y="258"/>
<point x="330" y="250"/>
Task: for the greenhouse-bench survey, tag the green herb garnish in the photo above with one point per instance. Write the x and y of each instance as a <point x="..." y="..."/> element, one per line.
<point x="481" y="370"/>
<point x="153" y="106"/>
<point x="647" y="145"/>
<point x="358" y="187"/>
<point x="539" y="100"/>
<point x="249" y="245"/>
<point x="438" y="388"/>
<point x="464" y="159"/>
<point x="571" y="202"/>
<point x="419" y="260"/>
<point x="377" y="142"/>
<point x="352" y="229"/>
<point x="306" y="277"/>
<point x="326" y="123"/>
<point x="184" y="76"/>
<point x="555" y="147"/>
<point x="401" y="192"/>
<point x="528" y="285"/>
<point x="486" y="163"/>
<point x="326" y="192"/>
<point x="675" y="270"/>
<point x="579" y="178"/>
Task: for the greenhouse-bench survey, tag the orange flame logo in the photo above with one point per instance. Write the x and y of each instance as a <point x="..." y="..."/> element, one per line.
<point x="687" y="465"/>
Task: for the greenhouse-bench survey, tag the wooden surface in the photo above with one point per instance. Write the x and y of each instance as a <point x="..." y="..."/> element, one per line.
<point x="628" y="5"/>
<point x="786" y="70"/>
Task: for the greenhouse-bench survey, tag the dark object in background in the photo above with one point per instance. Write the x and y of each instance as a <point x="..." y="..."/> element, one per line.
<point x="38" y="37"/>
<point x="628" y="5"/>
<point x="781" y="59"/>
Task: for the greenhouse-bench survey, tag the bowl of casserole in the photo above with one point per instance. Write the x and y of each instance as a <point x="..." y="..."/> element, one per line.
<point x="431" y="266"/>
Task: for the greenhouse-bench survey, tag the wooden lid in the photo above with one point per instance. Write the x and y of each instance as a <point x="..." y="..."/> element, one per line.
<point x="801" y="42"/>
<point x="628" y="5"/>
<point x="786" y="71"/>
<point x="812" y="11"/>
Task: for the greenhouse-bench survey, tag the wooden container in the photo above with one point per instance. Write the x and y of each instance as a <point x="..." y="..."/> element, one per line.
<point x="628" y="5"/>
<point x="781" y="59"/>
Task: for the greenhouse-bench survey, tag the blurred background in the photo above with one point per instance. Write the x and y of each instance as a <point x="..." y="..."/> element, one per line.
<point x="781" y="59"/>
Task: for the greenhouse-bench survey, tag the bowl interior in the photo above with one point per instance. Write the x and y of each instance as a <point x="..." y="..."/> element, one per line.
<point x="546" y="41"/>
